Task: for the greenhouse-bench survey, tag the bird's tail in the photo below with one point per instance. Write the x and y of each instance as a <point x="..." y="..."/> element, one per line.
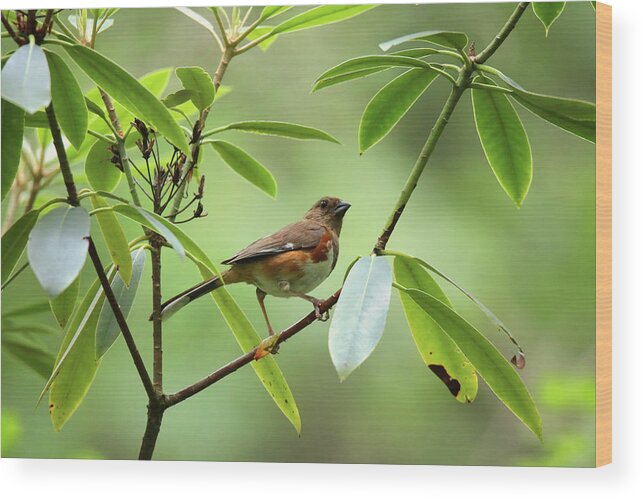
<point x="174" y="304"/>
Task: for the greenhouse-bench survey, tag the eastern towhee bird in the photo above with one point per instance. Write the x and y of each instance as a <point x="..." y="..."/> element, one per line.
<point x="291" y="262"/>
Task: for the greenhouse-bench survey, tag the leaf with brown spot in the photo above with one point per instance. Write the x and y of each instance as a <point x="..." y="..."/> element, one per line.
<point x="438" y="350"/>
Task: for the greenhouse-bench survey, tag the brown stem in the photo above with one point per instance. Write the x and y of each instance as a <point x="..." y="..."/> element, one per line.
<point x="72" y="195"/>
<point x="248" y="357"/>
<point x="157" y="325"/>
<point x="155" y="412"/>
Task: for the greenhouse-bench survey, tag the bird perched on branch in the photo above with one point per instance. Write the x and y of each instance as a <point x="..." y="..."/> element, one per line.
<point x="291" y="262"/>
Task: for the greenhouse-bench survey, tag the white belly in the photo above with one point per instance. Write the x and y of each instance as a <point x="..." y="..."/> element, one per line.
<point x="314" y="275"/>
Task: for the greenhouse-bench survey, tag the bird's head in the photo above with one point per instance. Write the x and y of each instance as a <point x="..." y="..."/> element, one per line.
<point x="329" y="211"/>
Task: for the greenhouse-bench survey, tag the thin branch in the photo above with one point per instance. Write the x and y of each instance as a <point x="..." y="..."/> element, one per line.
<point x="72" y="195"/>
<point x="502" y="34"/>
<point x="247" y="358"/>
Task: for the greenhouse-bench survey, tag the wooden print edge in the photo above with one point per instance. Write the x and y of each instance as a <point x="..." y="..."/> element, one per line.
<point x="603" y="234"/>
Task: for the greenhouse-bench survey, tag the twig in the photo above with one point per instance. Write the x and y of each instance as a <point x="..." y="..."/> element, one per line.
<point x="248" y="357"/>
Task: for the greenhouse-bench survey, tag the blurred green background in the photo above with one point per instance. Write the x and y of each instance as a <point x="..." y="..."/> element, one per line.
<point x="534" y="267"/>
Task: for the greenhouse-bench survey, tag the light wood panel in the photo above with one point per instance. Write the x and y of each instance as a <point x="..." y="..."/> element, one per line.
<point x="603" y="234"/>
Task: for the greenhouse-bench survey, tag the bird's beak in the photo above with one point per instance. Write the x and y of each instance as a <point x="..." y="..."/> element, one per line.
<point x="341" y="208"/>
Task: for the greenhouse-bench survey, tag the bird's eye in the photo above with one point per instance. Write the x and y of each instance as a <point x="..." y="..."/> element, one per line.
<point x="323" y="203"/>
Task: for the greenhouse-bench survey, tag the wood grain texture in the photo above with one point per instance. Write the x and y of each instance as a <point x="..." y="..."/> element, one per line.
<point x="603" y="234"/>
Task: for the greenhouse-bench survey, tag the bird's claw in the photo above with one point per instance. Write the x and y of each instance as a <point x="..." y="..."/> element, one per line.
<point x="323" y="317"/>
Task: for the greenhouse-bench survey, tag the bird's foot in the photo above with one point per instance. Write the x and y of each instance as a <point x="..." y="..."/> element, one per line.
<point x="323" y="317"/>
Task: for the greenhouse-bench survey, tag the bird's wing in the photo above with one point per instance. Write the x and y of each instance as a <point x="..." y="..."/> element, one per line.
<point x="299" y="235"/>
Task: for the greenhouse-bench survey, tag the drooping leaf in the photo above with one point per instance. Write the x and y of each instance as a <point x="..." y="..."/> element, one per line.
<point x="485" y="358"/>
<point x="483" y="308"/>
<point x="114" y="238"/>
<point x="25" y="79"/>
<point x="266" y="369"/>
<point x="504" y="141"/>
<point x="246" y="166"/>
<point x="107" y="329"/>
<point x="133" y="96"/>
<point x="154" y="222"/>
<point x="57" y="248"/>
<point x="280" y="129"/>
<point x="380" y="62"/>
<point x="68" y="100"/>
<point x="29" y="352"/>
<point x="319" y="16"/>
<point x="27" y="311"/>
<point x="102" y="173"/>
<point x="390" y="104"/>
<point x="14" y="242"/>
<point x="360" y="314"/>
<point x="76" y="364"/>
<point x="573" y="115"/>
<point x="438" y="351"/>
<point x="63" y="305"/>
<point x="449" y="39"/>
<point x="12" y="128"/>
<point x="199" y="83"/>
<point x="548" y="12"/>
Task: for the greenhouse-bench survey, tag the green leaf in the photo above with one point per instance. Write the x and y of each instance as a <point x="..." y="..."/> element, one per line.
<point x="272" y="11"/>
<point x="261" y="31"/>
<point x="199" y="19"/>
<point x="360" y="314"/>
<point x="568" y="114"/>
<point x="12" y="128"/>
<point x="504" y="141"/>
<point x="279" y="129"/>
<point x="36" y="120"/>
<point x="68" y="100"/>
<point x="390" y="104"/>
<point x="76" y="363"/>
<point x="29" y="352"/>
<point x="266" y="368"/>
<point x="548" y="12"/>
<point x="25" y="79"/>
<point x="107" y="329"/>
<point x="449" y="39"/>
<point x="152" y="221"/>
<point x="380" y="62"/>
<point x="63" y="305"/>
<point x="199" y="83"/>
<point x="14" y="242"/>
<point x="102" y="174"/>
<point x="177" y="98"/>
<point x="89" y="23"/>
<point x="342" y="78"/>
<point x="593" y="4"/>
<point x="485" y="358"/>
<point x="437" y="349"/>
<point x="132" y="95"/>
<point x="319" y="16"/>
<point x="57" y="248"/>
<point x="114" y="238"/>
<point x="246" y="166"/>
